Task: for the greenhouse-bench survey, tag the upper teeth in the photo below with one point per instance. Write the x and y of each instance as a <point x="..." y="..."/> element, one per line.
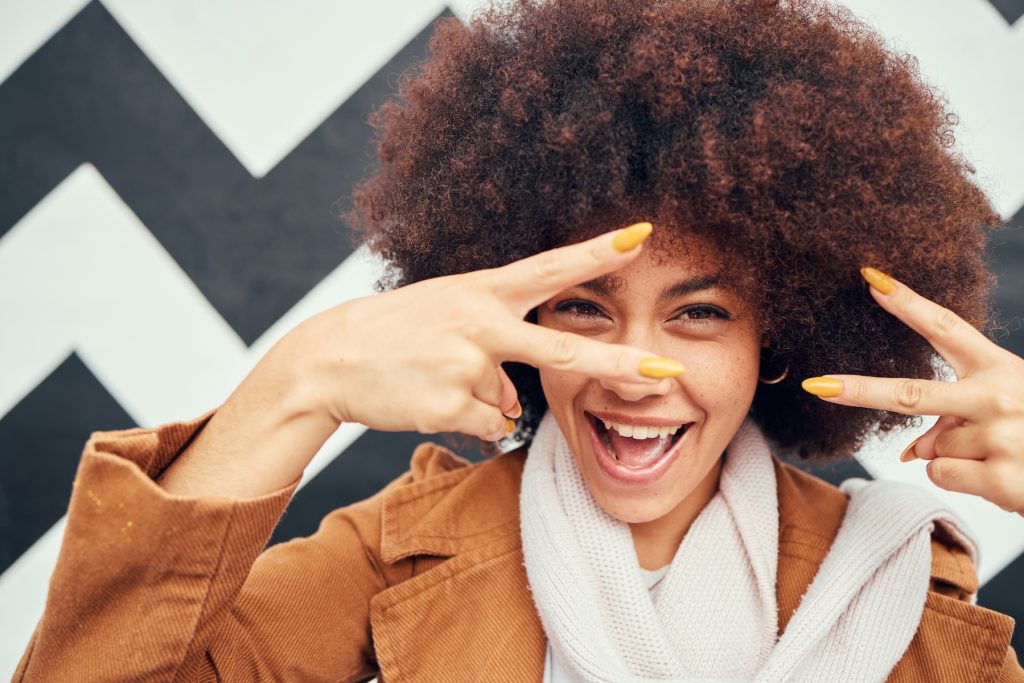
<point x="641" y="432"/>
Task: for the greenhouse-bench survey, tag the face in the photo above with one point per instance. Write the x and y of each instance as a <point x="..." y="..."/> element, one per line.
<point x="675" y="307"/>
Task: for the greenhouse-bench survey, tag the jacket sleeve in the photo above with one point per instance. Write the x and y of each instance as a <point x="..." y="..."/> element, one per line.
<point x="1011" y="671"/>
<point x="151" y="586"/>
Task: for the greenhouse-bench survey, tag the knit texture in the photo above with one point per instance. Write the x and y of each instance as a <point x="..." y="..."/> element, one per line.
<point x="715" y="617"/>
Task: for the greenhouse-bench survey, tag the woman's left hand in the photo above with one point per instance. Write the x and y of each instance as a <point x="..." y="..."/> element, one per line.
<point x="977" y="444"/>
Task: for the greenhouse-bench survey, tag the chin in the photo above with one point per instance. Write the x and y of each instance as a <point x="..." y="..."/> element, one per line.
<point x="635" y="511"/>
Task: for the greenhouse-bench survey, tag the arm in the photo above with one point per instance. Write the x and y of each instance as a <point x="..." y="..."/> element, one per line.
<point x="154" y="586"/>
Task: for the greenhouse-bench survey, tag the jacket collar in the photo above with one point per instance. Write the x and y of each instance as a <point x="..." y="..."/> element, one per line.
<point x="476" y="612"/>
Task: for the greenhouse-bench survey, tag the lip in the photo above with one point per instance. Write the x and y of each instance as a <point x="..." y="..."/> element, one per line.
<point x="637" y="420"/>
<point x="616" y="471"/>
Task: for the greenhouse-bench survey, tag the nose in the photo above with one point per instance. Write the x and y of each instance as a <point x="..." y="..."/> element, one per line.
<point x="641" y="337"/>
<point x="634" y="391"/>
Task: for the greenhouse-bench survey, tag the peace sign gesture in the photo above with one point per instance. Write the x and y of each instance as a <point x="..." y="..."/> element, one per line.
<point x="977" y="444"/>
<point x="427" y="356"/>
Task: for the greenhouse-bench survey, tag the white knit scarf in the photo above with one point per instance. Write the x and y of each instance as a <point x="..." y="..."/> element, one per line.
<point x="715" y="615"/>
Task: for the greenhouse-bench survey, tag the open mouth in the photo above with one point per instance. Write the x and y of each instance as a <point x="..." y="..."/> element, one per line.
<point x="633" y="453"/>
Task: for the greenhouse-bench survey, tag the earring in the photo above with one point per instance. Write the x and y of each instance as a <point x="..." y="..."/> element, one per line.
<point x="774" y="380"/>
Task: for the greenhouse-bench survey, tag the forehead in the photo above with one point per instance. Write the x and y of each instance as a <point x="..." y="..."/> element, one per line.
<point x="686" y="262"/>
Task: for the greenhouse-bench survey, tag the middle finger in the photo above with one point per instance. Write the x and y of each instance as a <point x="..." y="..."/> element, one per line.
<point x="963" y="346"/>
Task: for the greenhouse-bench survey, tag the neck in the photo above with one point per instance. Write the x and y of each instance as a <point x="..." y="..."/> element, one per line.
<point x="657" y="541"/>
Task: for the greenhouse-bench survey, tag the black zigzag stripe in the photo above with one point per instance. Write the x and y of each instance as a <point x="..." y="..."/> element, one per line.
<point x="254" y="247"/>
<point x="1010" y="9"/>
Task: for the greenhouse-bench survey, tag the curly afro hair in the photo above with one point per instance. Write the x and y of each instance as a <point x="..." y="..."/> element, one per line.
<point x="785" y="132"/>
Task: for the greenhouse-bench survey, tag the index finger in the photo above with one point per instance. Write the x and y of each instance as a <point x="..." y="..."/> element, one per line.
<point x="531" y="281"/>
<point x="901" y="395"/>
<point x="543" y="347"/>
<point x="963" y="346"/>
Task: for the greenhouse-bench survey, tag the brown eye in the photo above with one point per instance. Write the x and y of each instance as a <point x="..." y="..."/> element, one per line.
<point x="702" y="314"/>
<point x="578" y="309"/>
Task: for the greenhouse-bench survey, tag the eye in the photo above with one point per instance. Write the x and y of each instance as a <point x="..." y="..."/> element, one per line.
<point x="577" y="308"/>
<point x="702" y="314"/>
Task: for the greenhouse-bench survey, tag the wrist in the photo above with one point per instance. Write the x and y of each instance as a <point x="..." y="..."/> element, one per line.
<point x="312" y="389"/>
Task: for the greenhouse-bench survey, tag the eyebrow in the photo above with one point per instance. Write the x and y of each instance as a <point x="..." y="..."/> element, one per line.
<point x="606" y="285"/>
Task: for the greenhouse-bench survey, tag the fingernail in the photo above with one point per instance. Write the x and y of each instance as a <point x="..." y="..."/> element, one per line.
<point x="826" y="387"/>
<point x="516" y="412"/>
<point x="879" y="280"/>
<point x="628" y="238"/>
<point x="510" y="427"/>
<point x="657" y="367"/>
<point x="908" y="453"/>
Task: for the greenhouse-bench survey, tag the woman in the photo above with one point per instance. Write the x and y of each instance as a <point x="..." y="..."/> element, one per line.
<point x="775" y="151"/>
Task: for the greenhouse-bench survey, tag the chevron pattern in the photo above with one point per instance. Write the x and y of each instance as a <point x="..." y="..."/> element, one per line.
<point x="167" y="204"/>
<point x="1012" y="10"/>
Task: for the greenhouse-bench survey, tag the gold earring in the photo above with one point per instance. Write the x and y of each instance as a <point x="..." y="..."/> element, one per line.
<point x="775" y="380"/>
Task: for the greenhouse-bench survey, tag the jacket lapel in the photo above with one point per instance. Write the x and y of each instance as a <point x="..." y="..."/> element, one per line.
<point x="466" y="613"/>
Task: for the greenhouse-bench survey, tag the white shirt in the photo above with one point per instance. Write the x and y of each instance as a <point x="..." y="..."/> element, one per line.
<point x="553" y="671"/>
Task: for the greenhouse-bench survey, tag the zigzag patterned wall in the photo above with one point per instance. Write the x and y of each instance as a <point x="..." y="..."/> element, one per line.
<point x="167" y="192"/>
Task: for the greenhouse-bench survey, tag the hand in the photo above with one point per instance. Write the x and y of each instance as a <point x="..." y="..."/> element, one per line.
<point x="977" y="444"/>
<point x="427" y="357"/>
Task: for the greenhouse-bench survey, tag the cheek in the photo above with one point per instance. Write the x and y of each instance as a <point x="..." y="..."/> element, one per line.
<point x="560" y="388"/>
<point x="720" y="375"/>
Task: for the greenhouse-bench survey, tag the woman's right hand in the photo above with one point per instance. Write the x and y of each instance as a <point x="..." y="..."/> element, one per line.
<point x="427" y="356"/>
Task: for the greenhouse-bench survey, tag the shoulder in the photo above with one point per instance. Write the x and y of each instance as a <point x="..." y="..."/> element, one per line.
<point x="441" y="505"/>
<point x="811" y="511"/>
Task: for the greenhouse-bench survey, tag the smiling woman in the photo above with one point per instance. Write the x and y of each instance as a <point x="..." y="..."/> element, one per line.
<point x="680" y="308"/>
<point x="778" y="159"/>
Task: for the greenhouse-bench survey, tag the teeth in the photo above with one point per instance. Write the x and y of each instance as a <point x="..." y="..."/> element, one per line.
<point x="641" y="432"/>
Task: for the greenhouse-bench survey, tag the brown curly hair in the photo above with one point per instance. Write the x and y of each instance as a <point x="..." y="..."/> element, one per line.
<point x="786" y="132"/>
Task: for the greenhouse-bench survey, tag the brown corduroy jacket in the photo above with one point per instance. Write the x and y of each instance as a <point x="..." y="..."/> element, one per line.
<point x="424" y="581"/>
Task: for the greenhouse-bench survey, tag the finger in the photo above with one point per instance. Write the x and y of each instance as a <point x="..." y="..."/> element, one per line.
<point x="979" y="441"/>
<point x="533" y="280"/>
<point x="958" y="474"/>
<point x="924" y="446"/>
<point x="484" y="421"/>
<point x="496" y="389"/>
<point x="962" y="345"/>
<point x="907" y="396"/>
<point x="489" y="388"/>
<point x="510" y="397"/>
<point x="543" y="347"/>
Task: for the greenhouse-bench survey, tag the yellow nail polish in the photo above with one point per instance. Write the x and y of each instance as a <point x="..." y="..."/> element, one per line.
<point x="908" y="453"/>
<point x="825" y="387"/>
<point x="517" y="411"/>
<point x="879" y="280"/>
<point x="510" y="427"/>
<point x="656" y="367"/>
<point x="628" y="238"/>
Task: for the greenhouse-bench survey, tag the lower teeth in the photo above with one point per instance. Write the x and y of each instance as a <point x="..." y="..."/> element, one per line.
<point x="655" y="452"/>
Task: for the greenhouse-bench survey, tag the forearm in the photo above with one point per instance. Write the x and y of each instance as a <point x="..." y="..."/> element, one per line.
<point x="259" y="441"/>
